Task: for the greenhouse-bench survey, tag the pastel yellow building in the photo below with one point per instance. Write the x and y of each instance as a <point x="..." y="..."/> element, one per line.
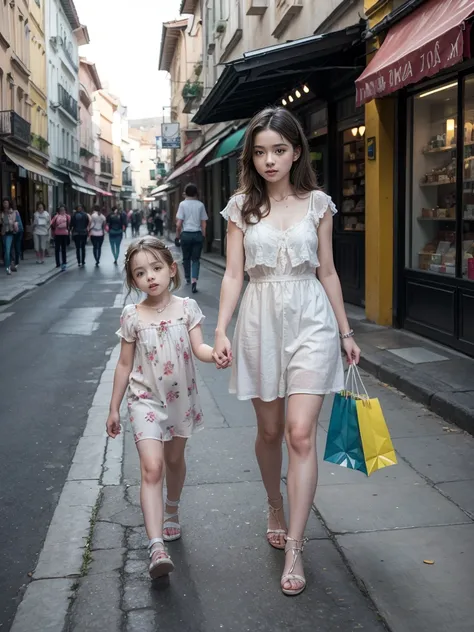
<point x="38" y="97"/>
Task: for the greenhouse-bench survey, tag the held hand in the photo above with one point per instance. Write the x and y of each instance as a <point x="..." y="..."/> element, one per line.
<point x="351" y="350"/>
<point x="113" y="425"/>
<point x="222" y="352"/>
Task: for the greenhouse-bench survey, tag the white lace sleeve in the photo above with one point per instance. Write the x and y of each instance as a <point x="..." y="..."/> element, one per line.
<point x="233" y="212"/>
<point x="320" y="203"/>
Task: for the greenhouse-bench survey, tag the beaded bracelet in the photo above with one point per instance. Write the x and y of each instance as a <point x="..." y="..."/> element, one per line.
<point x="349" y="334"/>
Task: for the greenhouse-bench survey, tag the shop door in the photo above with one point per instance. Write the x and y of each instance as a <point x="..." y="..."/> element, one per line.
<point x="349" y="237"/>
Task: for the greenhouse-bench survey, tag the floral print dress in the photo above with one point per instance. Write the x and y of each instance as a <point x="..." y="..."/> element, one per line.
<point x="163" y="400"/>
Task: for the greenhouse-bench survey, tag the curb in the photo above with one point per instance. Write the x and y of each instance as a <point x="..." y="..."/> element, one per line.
<point x="97" y="462"/>
<point x="29" y="287"/>
<point x="432" y="394"/>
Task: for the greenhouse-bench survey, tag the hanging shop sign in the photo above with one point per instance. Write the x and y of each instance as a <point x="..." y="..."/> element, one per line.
<point x="170" y="136"/>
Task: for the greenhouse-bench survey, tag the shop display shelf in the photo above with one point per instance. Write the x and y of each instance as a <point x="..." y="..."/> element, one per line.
<point x="439" y="150"/>
<point x="436" y="219"/>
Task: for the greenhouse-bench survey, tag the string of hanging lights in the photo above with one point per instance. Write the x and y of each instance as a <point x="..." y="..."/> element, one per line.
<point x="297" y="94"/>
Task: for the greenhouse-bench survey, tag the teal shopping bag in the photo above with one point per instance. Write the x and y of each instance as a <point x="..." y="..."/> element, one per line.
<point x="344" y="445"/>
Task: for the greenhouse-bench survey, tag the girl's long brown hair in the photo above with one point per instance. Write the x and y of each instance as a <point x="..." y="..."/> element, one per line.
<point x="302" y="177"/>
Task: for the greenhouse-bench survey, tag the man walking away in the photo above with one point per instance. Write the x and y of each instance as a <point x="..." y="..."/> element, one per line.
<point x="191" y="227"/>
<point x="136" y="223"/>
<point x="80" y="229"/>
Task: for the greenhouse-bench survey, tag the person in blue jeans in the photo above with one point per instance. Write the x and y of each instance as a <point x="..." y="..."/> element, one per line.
<point x="9" y="229"/>
<point x="116" y="227"/>
<point x="18" y="240"/>
<point x="190" y="233"/>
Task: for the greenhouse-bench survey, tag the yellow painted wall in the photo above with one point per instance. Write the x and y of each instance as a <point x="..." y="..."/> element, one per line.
<point x="379" y="183"/>
<point x="14" y="59"/>
<point x="38" y="96"/>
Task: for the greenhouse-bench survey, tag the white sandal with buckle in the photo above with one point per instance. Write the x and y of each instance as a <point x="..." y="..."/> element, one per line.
<point x="161" y="563"/>
<point x="169" y="524"/>
<point x="273" y="510"/>
<point x="290" y="575"/>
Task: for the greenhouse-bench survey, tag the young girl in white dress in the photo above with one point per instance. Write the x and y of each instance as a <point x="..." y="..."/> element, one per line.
<point x="287" y="338"/>
<point x="158" y="339"/>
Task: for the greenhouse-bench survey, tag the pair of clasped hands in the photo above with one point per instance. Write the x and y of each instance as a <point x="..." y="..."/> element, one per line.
<point x="222" y="352"/>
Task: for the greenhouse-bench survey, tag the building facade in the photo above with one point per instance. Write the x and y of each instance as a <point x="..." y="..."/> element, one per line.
<point x="39" y="145"/>
<point x="181" y="57"/>
<point x="104" y="107"/>
<point x="24" y="175"/>
<point x="89" y="82"/>
<point x="126" y="195"/>
<point x="63" y="35"/>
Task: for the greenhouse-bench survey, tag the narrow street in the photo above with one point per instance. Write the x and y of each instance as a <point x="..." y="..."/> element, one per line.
<point x="369" y="538"/>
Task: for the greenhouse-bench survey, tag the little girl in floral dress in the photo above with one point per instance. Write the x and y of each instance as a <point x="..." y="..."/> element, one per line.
<point x="158" y="339"/>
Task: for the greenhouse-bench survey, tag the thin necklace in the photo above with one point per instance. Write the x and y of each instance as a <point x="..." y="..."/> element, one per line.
<point x="283" y="199"/>
<point x="162" y="309"/>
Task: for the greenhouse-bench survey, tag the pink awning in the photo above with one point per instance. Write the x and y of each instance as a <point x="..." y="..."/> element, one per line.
<point x="430" y="39"/>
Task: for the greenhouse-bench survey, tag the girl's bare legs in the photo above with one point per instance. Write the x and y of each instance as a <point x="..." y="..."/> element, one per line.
<point x="268" y="449"/>
<point x="152" y="459"/>
<point x="300" y="434"/>
<point x="175" y="475"/>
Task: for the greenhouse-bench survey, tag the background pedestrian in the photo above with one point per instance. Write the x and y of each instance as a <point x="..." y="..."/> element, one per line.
<point x="163" y="402"/>
<point x="97" y="232"/>
<point x="17" y="249"/>
<point x="60" y="226"/>
<point x="136" y="221"/>
<point x="159" y="222"/>
<point x="80" y="223"/>
<point x="116" y="227"/>
<point x="286" y="341"/>
<point x="9" y="228"/>
<point x="41" y="224"/>
<point x="191" y="232"/>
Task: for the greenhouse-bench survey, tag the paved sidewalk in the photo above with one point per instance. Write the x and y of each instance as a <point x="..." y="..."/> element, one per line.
<point x="29" y="275"/>
<point x="431" y="374"/>
<point x="369" y="537"/>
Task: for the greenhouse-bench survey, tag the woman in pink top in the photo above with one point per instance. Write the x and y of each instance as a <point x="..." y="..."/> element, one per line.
<point x="61" y="225"/>
<point x="96" y="232"/>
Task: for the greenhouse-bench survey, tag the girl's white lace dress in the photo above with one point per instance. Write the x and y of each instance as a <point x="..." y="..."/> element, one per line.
<point x="286" y="339"/>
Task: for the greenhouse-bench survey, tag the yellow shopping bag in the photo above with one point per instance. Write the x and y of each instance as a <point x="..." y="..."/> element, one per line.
<point x="376" y="441"/>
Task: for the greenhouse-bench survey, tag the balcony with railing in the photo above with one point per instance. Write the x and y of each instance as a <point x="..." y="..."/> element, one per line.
<point x="68" y="53"/>
<point x="70" y="165"/>
<point x="68" y="103"/>
<point x="106" y="166"/>
<point x="13" y="126"/>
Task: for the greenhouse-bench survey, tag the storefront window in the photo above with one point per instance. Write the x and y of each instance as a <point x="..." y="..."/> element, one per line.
<point x="353" y="189"/>
<point x="431" y="226"/>
<point x="468" y="183"/>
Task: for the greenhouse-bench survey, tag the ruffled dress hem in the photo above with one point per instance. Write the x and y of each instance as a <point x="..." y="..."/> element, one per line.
<point x="245" y="398"/>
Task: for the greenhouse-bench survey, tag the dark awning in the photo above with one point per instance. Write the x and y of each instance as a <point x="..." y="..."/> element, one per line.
<point x="262" y="77"/>
<point x="425" y="42"/>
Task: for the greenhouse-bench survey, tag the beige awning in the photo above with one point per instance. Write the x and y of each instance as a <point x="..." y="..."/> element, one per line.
<point x="35" y="171"/>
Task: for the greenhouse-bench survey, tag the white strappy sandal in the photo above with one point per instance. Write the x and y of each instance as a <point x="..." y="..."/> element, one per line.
<point x="161" y="563"/>
<point x="290" y="575"/>
<point x="273" y="510"/>
<point x="169" y="524"/>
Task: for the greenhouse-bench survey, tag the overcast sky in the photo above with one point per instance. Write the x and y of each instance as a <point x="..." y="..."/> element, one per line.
<point x="125" y="43"/>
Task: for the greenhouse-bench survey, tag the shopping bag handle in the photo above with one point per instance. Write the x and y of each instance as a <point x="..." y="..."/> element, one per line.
<point x="354" y="380"/>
